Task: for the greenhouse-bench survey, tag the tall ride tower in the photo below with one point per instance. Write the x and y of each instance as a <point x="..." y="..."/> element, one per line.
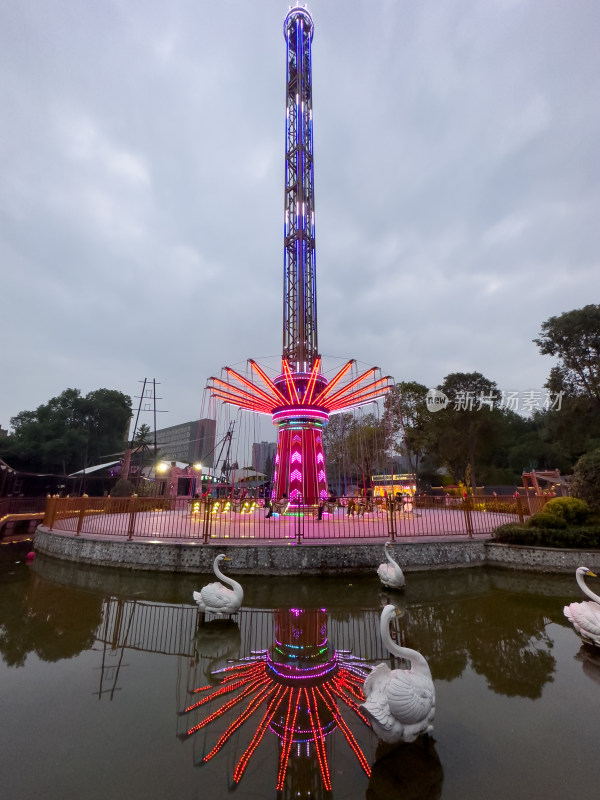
<point x="300" y="399"/>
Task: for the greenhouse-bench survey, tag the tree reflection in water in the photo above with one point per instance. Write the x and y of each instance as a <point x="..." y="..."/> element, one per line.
<point x="54" y="622"/>
<point x="505" y="642"/>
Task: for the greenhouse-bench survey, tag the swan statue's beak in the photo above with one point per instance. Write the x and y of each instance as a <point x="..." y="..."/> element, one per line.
<point x="399" y="612"/>
<point x="591" y="574"/>
<point x="226" y="558"/>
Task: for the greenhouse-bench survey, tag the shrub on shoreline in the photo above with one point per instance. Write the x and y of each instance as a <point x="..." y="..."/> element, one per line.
<point x="580" y="537"/>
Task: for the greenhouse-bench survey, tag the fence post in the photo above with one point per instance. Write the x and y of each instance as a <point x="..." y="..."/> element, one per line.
<point x="49" y="513"/>
<point x="132" y="512"/>
<point x="82" y="510"/>
<point x="520" y="509"/>
<point x="53" y="511"/>
<point x="468" y="506"/>
<point x="207" y="503"/>
<point x="391" y="519"/>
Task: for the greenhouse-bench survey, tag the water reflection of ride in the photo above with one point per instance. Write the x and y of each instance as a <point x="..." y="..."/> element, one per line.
<point x="301" y="689"/>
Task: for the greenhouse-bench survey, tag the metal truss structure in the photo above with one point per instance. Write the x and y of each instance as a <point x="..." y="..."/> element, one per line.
<point x="299" y="399"/>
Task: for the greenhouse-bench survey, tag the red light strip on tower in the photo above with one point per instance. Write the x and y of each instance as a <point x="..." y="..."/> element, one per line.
<point x="251" y="688"/>
<point x="311" y="383"/>
<point x="263" y="726"/>
<point x="288" y="736"/>
<point x="234" y="401"/>
<point x="226" y="689"/>
<point x="346" y="731"/>
<point x="332" y="398"/>
<point x="293" y="392"/>
<point x="247" y="396"/>
<point x="267" y="381"/>
<point x="359" y="400"/>
<point x="332" y="383"/>
<point x="378" y="387"/>
<point x="252" y="706"/>
<point x="313" y="716"/>
<point x="249" y="384"/>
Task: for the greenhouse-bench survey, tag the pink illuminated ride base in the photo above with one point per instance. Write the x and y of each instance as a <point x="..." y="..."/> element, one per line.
<point x="300" y="404"/>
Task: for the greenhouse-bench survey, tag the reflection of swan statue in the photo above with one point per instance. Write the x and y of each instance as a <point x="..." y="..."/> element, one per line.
<point x="401" y="702"/>
<point x="590" y="662"/>
<point x="215" y="643"/>
<point x="390" y="574"/>
<point x="217" y="598"/>
<point x="411" y="772"/>
<point x="585" y="617"/>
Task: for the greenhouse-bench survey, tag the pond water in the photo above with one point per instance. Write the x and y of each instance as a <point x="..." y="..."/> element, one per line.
<point x="98" y="666"/>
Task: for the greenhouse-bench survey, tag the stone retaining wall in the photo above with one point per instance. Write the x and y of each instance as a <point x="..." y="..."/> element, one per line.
<point x="264" y="559"/>
<point x="307" y="559"/>
<point x="541" y="559"/>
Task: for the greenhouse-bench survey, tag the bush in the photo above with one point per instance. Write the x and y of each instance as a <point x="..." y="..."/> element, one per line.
<point x="123" y="488"/>
<point x="570" y="509"/>
<point x="582" y="538"/>
<point x="545" y="520"/>
<point x="586" y="479"/>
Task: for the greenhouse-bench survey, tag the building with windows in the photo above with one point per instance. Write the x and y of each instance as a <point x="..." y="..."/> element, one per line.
<point x="191" y="442"/>
<point x="263" y="456"/>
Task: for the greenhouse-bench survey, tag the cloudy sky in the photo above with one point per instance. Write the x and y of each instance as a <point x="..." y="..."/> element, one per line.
<point x="141" y="188"/>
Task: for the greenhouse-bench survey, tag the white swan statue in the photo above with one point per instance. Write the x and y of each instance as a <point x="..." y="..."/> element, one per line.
<point x="390" y="574"/>
<point x="219" y="599"/>
<point x="400" y="703"/>
<point x="585" y="617"/>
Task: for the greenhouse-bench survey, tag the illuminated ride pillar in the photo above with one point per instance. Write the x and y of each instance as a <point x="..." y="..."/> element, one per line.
<point x="300" y="399"/>
<point x="300" y="462"/>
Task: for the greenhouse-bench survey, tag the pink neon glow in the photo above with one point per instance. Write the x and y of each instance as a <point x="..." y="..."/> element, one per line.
<point x="249" y="384"/>
<point x="332" y="398"/>
<point x="360" y="399"/>
<point x="296" y="456"/>
<point x="320" y="458"/>
<point x="267" y="381"/>
<point x="238" y="404"/>
<point x="292" y="391"/>
<point x="296" y="475"/>
<point x="333" y="382"/>
<point x="344" y="398"/>
<point x="311" y="383"/>
<point x="245" y="397"/>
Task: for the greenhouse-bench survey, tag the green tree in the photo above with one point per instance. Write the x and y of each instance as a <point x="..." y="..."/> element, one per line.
<point x="354" y="447"/>
<point x="586" y="479"/>
<point x="142" y="435"/>
<point x="68" y="432"/>
<point x="463" y="434"/>
<point x="406" y="421"/>
<point x="574" y="338"/>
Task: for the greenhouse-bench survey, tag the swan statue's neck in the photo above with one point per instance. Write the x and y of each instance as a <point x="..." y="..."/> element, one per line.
<point x="389" y="557"/>
<point x="584" y="588"/>
<point x="417" y="662"/>
<point x="234" y="584"/>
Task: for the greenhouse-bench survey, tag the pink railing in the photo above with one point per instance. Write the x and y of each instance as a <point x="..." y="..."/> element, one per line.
<point x="354" y="518"/>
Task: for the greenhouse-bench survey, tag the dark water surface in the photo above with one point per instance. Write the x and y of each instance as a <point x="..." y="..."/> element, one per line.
<point x="97" y="666"/>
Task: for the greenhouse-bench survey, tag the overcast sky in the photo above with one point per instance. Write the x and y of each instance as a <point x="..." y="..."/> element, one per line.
<point x="141" y="188"/>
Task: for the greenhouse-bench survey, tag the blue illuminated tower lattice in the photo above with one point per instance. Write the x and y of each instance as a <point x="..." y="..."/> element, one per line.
<point x="300" y="297"/>
<point x="300" y="399"/>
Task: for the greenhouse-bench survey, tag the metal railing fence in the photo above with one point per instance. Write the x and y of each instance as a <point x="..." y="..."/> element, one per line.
<point x="352" y="518"/>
